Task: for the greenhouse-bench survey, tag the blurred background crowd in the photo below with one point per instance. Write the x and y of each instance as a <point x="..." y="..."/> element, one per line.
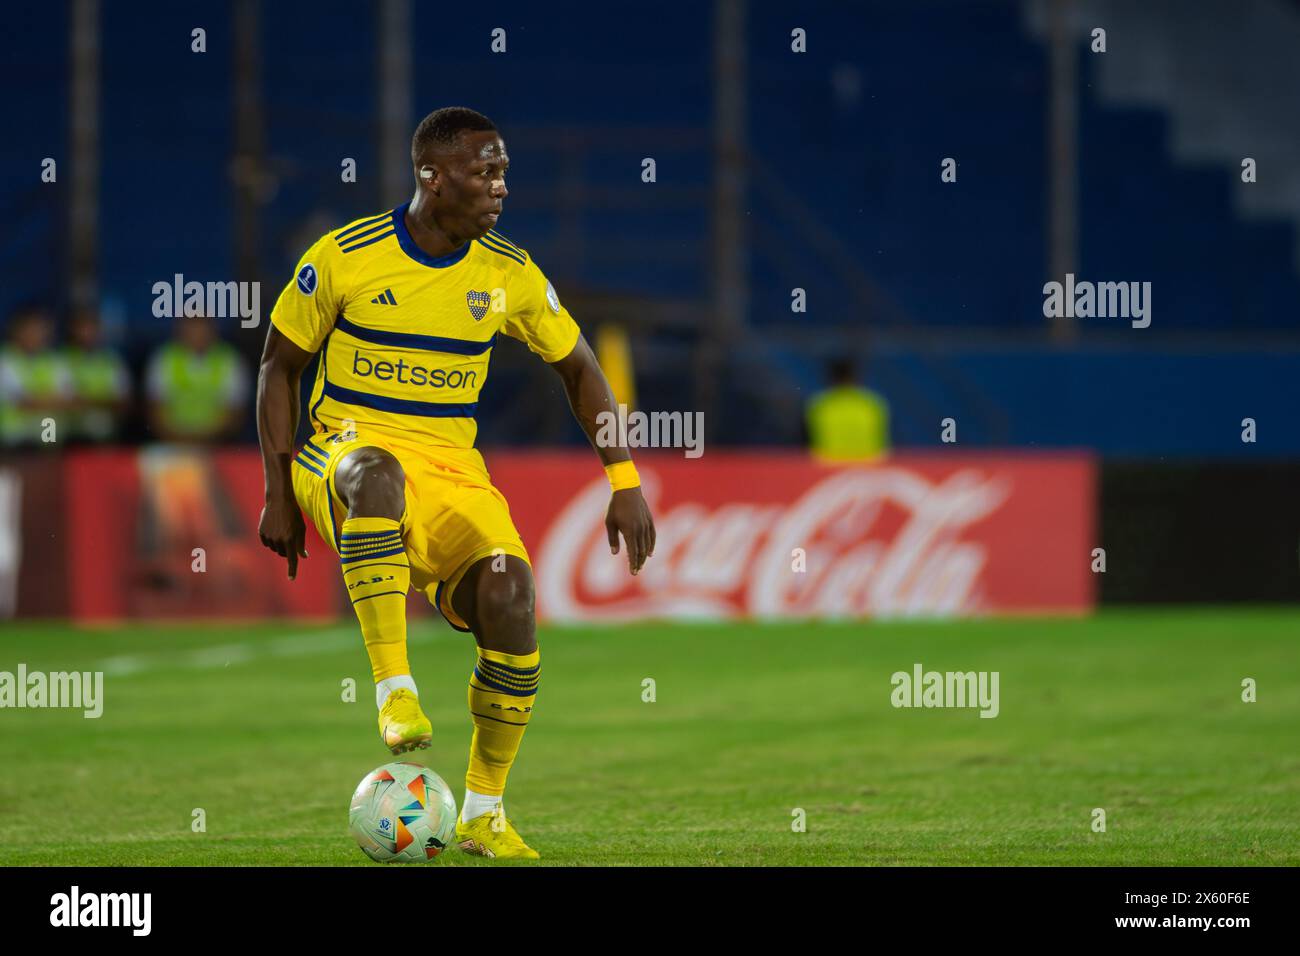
<point x="798" y="266"/>
<point x="194" y="387"/>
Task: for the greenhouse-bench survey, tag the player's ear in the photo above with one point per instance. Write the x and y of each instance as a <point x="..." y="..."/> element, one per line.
<point x="428" y="177"/>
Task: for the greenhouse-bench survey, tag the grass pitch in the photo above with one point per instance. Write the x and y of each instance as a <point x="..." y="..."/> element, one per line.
<point x="1137" y="713"/>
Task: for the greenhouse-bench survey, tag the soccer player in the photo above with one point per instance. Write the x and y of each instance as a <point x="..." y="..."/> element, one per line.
<point x="405" y="308"/>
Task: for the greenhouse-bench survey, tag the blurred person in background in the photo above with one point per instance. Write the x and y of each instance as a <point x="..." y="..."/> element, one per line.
<point x="100" y="383"/>
<point x="846" y="421"/>
<point x="197" y="385"/>
<point x="34" y="380"/>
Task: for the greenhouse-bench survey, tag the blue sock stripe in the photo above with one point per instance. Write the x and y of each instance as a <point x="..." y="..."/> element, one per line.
<point x="487" y="687"/>
<point x="512" y="684"/>
<point x="508" y="669"/>
<point x="362" y="548"/>
<point x="349" y="559"/>
<point x="380" y="594"/>
<point x="513" y="667"/>
<point x="362" y="555"/>
<point x="509" y="675"/>
<point x="377" y="543"/>
<point x="491" y="684"/>
<point x="513" y="723"/>
<point x="508" y="679"/>
<point x="504" y="682"/>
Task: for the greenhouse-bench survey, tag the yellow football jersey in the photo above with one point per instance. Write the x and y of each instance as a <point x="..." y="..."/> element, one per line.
<point x="405" y="338"/>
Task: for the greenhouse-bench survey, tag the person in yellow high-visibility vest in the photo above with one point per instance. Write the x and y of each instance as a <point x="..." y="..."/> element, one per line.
<point x="845" y="421"/>
<point x="34" y="382"/>
<point x="101" y="383"/>
<point x="197" y="385"/>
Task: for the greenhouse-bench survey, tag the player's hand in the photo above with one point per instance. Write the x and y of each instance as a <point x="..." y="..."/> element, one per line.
<point x="629" y="515"/>
<point x="284" y="532"/>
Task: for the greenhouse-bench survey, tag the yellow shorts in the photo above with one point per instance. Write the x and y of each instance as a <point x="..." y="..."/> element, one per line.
<point x="453" y="518"/>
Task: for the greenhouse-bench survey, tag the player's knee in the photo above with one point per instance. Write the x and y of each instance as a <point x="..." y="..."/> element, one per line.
<point x="372" y="484"/>
<point x="505" y="609"/>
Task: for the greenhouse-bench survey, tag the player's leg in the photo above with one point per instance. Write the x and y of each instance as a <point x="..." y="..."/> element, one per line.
<point x="495" y="597"/>
<point x="371" y="484"/>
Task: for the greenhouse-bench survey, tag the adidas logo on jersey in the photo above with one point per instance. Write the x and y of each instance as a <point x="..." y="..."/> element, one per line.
<point x="385" y="299"/>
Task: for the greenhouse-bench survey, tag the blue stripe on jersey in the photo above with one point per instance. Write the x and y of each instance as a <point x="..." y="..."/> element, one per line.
<point x="305" y="462"/>
<point x="334" y="496"/>
<point x="366" y="230"/>
<point x="360" y="245"/>
<point x="402" y="406"/>
<point x="320" y="451"/>
<point x="340" y="236"/>
<point x="313" y="456"/>
<point x="490" y="243"/>
<point x="496" y="235"/>
<point x="411" y="340"/>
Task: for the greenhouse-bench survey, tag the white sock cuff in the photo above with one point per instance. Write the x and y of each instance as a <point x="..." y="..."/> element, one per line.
<point x="477" y="804"/>
<point x="390" y="684"/>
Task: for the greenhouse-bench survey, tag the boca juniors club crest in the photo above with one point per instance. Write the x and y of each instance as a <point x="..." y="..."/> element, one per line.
<point x="478" y="304"/>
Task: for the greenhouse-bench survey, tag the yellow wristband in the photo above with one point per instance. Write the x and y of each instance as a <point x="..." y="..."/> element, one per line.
<point x="622" y="474"/>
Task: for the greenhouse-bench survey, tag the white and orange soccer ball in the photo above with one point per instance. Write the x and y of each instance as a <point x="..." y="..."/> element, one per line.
<point x="402" y="813"/>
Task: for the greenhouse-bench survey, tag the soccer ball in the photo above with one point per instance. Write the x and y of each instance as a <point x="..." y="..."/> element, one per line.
<point x="402" y="813"/>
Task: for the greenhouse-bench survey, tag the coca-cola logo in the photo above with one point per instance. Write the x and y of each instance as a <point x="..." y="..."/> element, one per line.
<point x="863" y="541"/>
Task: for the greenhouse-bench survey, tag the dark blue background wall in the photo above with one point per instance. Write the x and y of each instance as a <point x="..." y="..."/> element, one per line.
<point x="845" y="141"/>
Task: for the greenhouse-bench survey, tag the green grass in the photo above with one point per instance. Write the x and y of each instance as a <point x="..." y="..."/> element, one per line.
<point x="1138" y="713"/>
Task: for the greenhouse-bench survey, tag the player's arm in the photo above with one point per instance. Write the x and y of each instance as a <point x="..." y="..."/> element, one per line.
<point x="281" y="527"/>
<point x="300" y="322"/>
<point x="589" y="395"/>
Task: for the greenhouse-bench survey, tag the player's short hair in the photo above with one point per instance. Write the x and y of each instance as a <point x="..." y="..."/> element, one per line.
<point x="441" y="127"/>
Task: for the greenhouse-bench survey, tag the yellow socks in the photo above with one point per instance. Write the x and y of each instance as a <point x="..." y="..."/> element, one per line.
<point x="378" y="575"/>
<point x="501" y="694"/>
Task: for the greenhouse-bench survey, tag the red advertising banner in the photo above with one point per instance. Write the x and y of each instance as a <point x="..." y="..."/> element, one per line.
<point x="739" y="535"/>
<point x="170" y="532"/>
<point x="776" y="535"/>
<point x="33" y="580"/>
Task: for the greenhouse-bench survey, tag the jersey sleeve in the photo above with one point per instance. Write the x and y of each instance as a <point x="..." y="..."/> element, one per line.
<point x="314" y="297"/>
<point x="536" y="317"/>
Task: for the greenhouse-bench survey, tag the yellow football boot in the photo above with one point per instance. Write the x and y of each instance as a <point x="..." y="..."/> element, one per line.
<point x="402" y="724"/>
<point x="493" y="836"/>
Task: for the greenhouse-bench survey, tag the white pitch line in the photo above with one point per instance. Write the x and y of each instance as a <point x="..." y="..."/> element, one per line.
<point x="223" y="655"/>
